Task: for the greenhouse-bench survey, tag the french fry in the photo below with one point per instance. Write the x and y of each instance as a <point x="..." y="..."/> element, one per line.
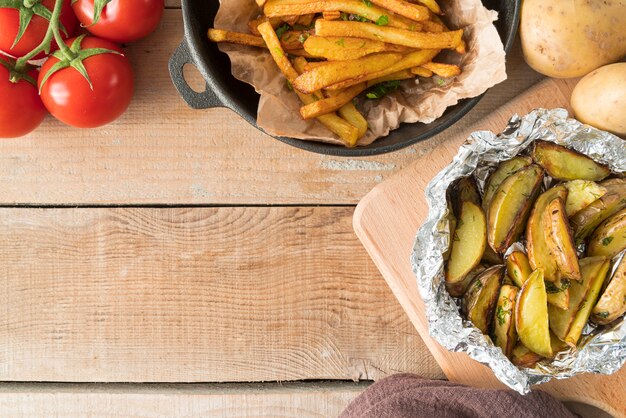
<point x="350" y="113"/>
<point x="342" y="49"/>
<point x="335" y="15"/>
<point x="219" y="35"/>
<point x="418" y="40"/>
<point x="339" y="98"/>
<point x="422" y="72"/>
<point x="300" y="53"/>
<point x="254" y="23"/>
<point x="461" y="48"/>
<point x="430" y="26"/>
<point x="348" y="133"/>
<point x="261" y="3"/>
<point x="414" y="59"/>
<point x="291" y="39"/>
<point x="358" y="7"/>
<point x="443" y="70"/>
<point x="432" y="6"/>
<point x="337" y="71"/>
<point x="406" y="9"/>
<point x="306" y="20"/>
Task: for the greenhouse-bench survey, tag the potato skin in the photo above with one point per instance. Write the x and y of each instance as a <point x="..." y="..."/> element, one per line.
<point x="570" y="38"/>
<point x="599" y="99"/>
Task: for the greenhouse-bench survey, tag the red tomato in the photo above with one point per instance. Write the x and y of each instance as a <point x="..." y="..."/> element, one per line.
<point x="67" y="95"/>
<point x="10" y="22"/>
<point x="121" y="20"/>
<point x="21" y="110"/>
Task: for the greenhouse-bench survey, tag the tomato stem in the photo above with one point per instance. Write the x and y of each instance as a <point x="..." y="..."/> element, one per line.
<point x="30" y="3"/>
<point x="53" y="32"/>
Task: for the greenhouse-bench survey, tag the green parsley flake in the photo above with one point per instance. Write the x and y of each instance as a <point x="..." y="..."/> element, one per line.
<point x="382" y="89"/>
<point x="606" y="241"/>
<point x="383" y="20"/>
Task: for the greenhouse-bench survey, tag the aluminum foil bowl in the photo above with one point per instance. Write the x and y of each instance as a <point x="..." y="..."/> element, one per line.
<point x="601" y="349"/>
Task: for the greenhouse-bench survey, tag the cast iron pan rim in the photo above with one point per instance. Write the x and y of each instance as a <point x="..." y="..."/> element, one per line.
<point x="232" y="102"/>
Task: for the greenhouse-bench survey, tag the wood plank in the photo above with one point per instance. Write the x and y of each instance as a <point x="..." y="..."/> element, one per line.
<point x="315" y="400"/>
<point x="196" y="295"/>
<point x="387" y="219"/>
<point x="161" y="152"/>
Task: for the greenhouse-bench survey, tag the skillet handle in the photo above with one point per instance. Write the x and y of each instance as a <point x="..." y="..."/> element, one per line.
<point x="204" y="100"/>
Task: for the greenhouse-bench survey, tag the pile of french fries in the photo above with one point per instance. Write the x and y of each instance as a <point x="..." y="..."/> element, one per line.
<point x="536" y="300"/>
<point x="331" y="51"/>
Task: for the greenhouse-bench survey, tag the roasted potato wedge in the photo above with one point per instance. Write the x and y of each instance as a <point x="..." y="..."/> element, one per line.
<point x="565" y="164"/>
<point x="504" y="331"/>
<point x="458" y="289"/>
<point x="558" y="292"/>
<point x="480" y="299"/>
<point x="510" y="207"/>
<point x="531" y="315"/>
<point x="536" y="245"/>
<point x="468" y="242"/>
<point x="609" y="239"/>
<point x="504" y="170"/>
<point x="560" y="241"/>
<point x="561" y="319"/>
<point x="581" y="193"/>
<point x="464" y="190"/>
<point x="584" y="312"/>
<point x="518" y="268"/>
<point x="490" y="256"/>
<point x="521" y="356"/>
<point x="585" y="221"/>
<point x="612" y="302"/>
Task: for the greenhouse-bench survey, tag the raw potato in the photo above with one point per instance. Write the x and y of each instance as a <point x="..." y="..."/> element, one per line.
<point x="567" y="39"/>
<point x="599" y="96"/>
<point x="536" y="245"/>
<point x="589" y="302"/>
<point x="531" y="315"/>
<point x="504" y="332"/>
<point x="458" y="289"/>
<point x="510" y="207"/>
<point x="565" y="164"/>
<point x="560" y="241"/>
<point x="612" y="303"/>
<point x="504" y="170"/>
<point x="479" y="301"/>
<point x="609" y="239"/>
<point x="585" y="221"/>
<point x="561" y="319"/>
<point x="518" y="268"/>
<point x="468" y="242"/>
<point x="581" y="193"/>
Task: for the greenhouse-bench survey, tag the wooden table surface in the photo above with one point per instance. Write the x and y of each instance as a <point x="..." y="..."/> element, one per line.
<point x="193" y="264"/>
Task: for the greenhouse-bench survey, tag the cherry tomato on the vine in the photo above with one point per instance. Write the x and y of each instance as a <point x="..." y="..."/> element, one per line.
<point x="121" y="20"/>
<point x="21" y="110"/>
<point x="69" y="98"/>
<point x="36" y="30"/>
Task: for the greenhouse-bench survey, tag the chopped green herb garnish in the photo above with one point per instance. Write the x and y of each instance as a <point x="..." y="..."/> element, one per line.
<point x="501" y="315"/>
<point x="552" y="288"/>
<point x="383" y="20"/>
<point x="289" y="85"/>
<point x="281" y="30"/>
<point x="382" y="89"/>
<point x="341" y="42"/>
<point x="368" y="3"/>
<point x="606" y="241"/>
<point x="303" y="37"/>
<point x="602" y="315"/>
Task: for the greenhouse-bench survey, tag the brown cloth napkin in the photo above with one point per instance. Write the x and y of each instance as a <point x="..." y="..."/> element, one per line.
<point x="405" y="395"/>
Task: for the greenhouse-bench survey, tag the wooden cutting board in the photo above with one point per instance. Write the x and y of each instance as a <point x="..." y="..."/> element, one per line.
<point x="387" y="219"/>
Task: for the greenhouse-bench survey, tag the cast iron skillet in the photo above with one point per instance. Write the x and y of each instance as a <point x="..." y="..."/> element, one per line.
<point x="223" y="90"/>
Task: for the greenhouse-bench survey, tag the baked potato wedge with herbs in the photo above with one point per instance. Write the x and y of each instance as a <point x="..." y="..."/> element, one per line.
<point x="531" y="315"/>
<point x="558" y="292"/>
<point x="511" y="205"/>
<point x="504" y="331"/>
<point x="479" y="301"/>
<point x="581" y="193"/>
<point x="560" y="241"/>
<point x="458" y="289"/>
<point x="561" y="320"/>
<point x="536" y="245"/>
<point x="518" y="268"/>
<point x="491" y="257"/>
<point x="468" y="242"/>
<point x="465" y="190"/>
<point x="586" y="220"/>
<point x="521" y="356"/>
<point x="612" y="302"/>
<point x="566" y="164"/>
<point x="609" y="239"/>
<point x="584" y="312"/>
<point x="504" y="170"/>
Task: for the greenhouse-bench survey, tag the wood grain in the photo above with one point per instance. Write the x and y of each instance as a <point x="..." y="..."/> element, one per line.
<point x="387" y="219"/>
<point x="305" y="400"/>
<point x="162" y="152"/>
<point x="196" y="295"/>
